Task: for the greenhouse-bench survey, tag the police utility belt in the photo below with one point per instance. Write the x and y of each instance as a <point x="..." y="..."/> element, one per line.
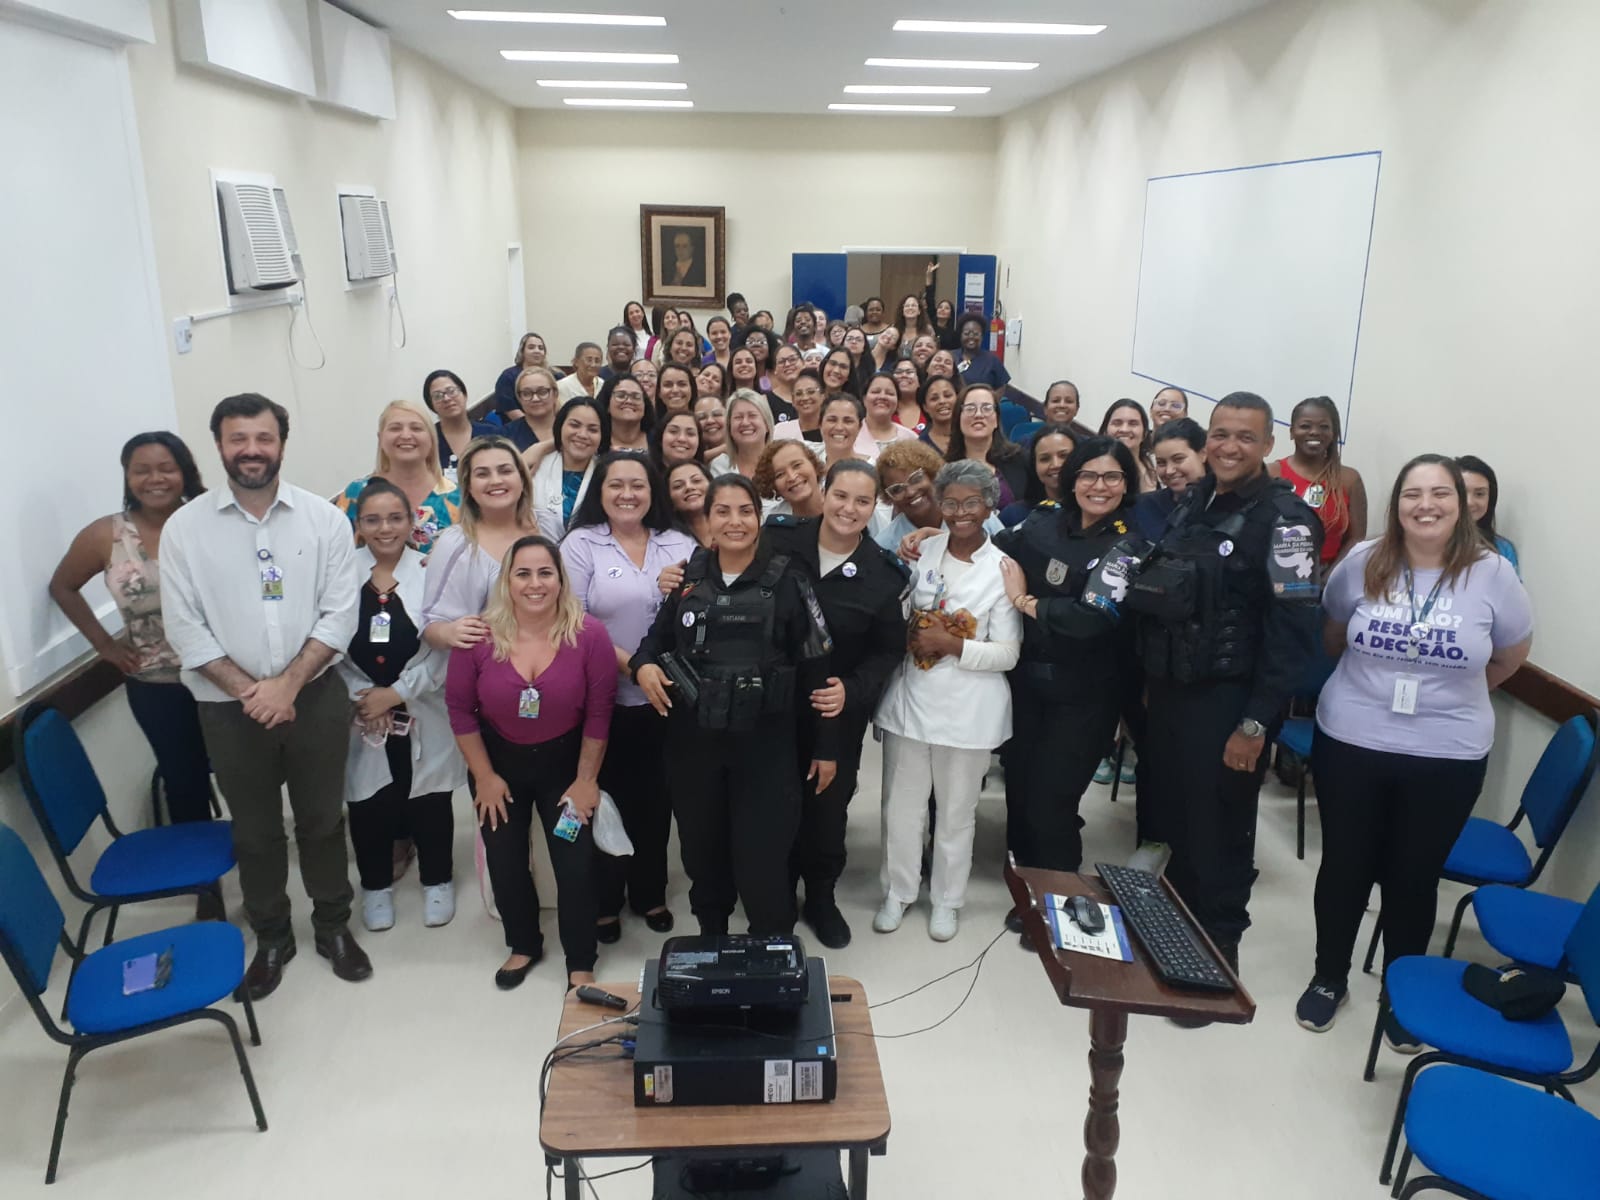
<point x="730" y="700"/>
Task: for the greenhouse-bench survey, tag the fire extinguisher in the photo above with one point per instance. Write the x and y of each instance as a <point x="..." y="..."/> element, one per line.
<point x="997" y="331"/>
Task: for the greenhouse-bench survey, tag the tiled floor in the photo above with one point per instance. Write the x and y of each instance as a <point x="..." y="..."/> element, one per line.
<point x="422" y="1081"/>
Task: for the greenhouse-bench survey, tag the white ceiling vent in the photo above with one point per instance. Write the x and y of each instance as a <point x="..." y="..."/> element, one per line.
<point x="257" y="238"/>
<point x="368" y="243"/>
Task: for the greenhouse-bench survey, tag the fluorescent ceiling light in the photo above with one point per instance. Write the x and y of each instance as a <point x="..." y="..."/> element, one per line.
<point x="951" y="64"/>
<point x="912" y="89"/>
<point x="1038" y="28"/>
<point x="624" y="102"/>
<point x="618" y="85"/>
<point x="552" y="18"/>
<point x="586" y="56"/>
<point x="899" y="108"/>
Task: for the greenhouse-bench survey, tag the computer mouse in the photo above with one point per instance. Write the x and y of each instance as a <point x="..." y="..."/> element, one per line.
<point x="1086" y="914"/>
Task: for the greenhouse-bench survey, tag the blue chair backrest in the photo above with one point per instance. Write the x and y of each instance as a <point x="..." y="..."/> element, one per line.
<point x="1319" y="667"/>
<point x="59" y="778"/>
<point x="1023" y="432"/>
<point x="1583" y="953"/>
<point x="1559" y="779"/>
<point x="1012" y="414"/>
<point x="30" y="919"/>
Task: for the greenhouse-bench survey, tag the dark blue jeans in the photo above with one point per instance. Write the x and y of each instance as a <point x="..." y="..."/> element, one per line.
<point x="170" y="719"/>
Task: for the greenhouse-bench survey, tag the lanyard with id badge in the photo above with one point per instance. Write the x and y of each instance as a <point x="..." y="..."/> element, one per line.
<point x="1407" y="686"/>
<point x="271" y="576"/>
<point x="567" y="824"/>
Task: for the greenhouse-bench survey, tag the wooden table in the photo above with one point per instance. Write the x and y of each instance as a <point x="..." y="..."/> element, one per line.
<point x="589" y="1110"/>
<point x="1111" y="991"/>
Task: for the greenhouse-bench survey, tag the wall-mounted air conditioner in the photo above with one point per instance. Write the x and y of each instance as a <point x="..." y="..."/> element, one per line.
<point x="368" y="239"/>
<point x="258" y="244"/>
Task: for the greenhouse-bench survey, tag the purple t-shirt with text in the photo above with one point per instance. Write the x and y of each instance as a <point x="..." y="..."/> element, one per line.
<point x="1485" y="610"/>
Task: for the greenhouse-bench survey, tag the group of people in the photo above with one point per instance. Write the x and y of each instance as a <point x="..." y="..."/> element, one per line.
<point x="682" y="577"/>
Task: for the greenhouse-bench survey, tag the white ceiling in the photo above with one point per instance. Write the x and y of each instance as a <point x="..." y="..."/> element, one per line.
<point x="787" y="56"/>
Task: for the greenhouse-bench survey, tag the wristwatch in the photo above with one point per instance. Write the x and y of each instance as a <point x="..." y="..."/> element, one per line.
<point x="1252" y="728"/>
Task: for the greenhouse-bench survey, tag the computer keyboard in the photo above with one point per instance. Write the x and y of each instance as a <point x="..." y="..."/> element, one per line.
<point x="1180" y="957"/>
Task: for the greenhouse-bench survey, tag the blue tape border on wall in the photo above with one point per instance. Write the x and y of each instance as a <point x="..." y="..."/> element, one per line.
<point x="1366" y="267"/>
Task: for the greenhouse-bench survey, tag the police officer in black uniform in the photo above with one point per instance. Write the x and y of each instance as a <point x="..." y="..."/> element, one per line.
<point x="731" y="659"/>
<point x="860" y="597"/>
<point x="1225" y="605"/>
<point x="1066" y="690"/>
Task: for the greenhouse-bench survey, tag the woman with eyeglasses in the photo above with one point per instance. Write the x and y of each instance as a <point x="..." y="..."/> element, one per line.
<point x="531" y="352"/>
<point x="908" y="407"/>
<point x="646" y="373"/>
<point x="806" y="424"/>
<point x="711" y="414"/>
<point x="838" y="372"/>
<point x="1066" y="691"/>
<point x="906" y="471"/>
<point x="1046" y="454"/>
<point x="858" y="586"/>
<point x="408" y="457"/>
<point x="947" y="706"/>
<point x="446" y="397"/>
<point x="403" y="763"/>
<point x="622" y="399"/>
<point x="759" y="343"/>
<point x="780" y="383"/>
<point x="975" y="433"/>
<point x="537" y="390"/>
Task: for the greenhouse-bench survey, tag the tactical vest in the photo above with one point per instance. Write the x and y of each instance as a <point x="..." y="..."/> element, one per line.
<point x="726" y="636"/>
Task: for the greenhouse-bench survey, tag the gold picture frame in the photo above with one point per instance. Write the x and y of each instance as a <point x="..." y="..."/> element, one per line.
<point x="683" y="254"/>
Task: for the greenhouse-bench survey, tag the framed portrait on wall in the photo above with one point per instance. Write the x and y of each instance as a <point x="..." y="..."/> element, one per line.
<point x="682" y="253"/>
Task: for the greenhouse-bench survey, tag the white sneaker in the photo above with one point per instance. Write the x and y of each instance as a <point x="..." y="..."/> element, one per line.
<point x="377" y="909"/>
<point x="942" y="924"/>
<point x="438" y="905"/>
<point x="889" y="916"/>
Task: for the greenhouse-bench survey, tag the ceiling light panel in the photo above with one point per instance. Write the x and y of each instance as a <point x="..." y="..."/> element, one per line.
<point x="898" y="108"/>
<point x="615" y="85"/>
<point x="552" y="18"/>
<point x="1027" y="28"/>
<point x="624" y="102"/>
<point x="951" y="64"/>
<point x="588" y="56"/>
<point x="913" y="89"/>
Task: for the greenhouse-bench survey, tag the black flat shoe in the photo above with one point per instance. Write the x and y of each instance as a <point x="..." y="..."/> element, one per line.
<point x="507" y="978"/>
<point x="659" y="922"/>
<point x="608" y="933"/>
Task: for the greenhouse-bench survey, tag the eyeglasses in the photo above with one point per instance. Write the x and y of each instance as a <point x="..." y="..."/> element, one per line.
<point x="1108" y="478"/>
<point x="983" y="410"/>
<point x="895" y="490"/>
<point x="447" y="393"/>
<point x="379" y="520"/>
<point x="966" y="508"/>
<point x="539" y="393"/>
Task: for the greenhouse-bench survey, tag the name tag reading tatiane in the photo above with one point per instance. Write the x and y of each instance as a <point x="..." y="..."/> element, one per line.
<point x="271" y="583"/>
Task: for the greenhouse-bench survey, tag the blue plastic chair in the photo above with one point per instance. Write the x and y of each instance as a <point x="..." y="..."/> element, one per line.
<point x="1022" y="432"/>
<point x="207" y="965"/>
<point x="1527" y="927"/>
<point x="1426" y="996"/>
<point x="1487" y="1138"/>
<point x="1488" y="853"/>
<point x="1012" y="414"/>
<point x="1296" y="733"/>
<point x="66" y="797"/>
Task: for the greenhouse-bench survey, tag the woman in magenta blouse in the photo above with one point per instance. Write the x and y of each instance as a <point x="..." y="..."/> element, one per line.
<point x="530" y="706"/>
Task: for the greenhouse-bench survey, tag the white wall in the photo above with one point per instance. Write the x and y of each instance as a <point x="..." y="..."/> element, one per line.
<point x="789" y="184"/>
<point x="1480" y="302"/>
<point x="447" y="165"/>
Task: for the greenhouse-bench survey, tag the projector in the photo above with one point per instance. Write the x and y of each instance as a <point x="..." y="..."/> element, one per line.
<point x="730" y="971"/>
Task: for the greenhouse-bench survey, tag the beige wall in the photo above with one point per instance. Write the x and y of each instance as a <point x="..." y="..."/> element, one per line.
<point x="790" y="184"/>
<point x="1480" y="300"/>
<point x="446" y="164"/>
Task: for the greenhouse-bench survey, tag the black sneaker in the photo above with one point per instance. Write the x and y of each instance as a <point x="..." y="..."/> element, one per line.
<point x="827" y="922"/>
<point x="1401" y="1040"/>
<point x="1319" y="1004"/>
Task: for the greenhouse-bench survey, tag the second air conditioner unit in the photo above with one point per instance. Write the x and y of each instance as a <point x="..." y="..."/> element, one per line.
<point x="368" y="239"/>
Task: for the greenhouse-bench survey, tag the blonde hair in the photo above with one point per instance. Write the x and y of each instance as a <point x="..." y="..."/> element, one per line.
<point x="526" y="371"/>
<point x="501" y="613"/>
<point x="743" y="396"/>
<point x="469" y="514"/>
<point x="422" y="414"/>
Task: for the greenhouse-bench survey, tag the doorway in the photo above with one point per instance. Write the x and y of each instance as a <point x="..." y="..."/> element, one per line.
<point x="892" y="277"/>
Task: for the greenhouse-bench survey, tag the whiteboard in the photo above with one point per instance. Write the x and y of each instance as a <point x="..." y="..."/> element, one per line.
<point x="82" y="342"/>
<point x="1252" y="279"/>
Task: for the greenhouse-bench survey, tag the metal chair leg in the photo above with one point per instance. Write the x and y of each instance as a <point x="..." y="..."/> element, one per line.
<point x="1400" y="1175"/>
<point x="111" y="924"/>
<point x="61" y="1113"/>
<point x="1415" y="1066"/>
<point x="1455" y="924"/>
<point x="1372" y="946"/>
<point x="1300" y="819"/>
<point x="250" y="1018"/>
<point x="1116" y="765"/>
<point x="1377" y="1036"/>
<point x="232" y="1027"/>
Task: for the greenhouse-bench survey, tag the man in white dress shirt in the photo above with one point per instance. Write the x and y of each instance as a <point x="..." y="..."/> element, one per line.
<point x="260" y="592"/>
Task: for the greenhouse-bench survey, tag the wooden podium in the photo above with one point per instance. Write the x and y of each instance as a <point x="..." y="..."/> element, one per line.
<point x="1111" y="991"/>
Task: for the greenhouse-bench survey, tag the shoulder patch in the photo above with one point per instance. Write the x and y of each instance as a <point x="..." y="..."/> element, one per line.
<point x="1048" y="504"/>
<point x="1292" y="568"/>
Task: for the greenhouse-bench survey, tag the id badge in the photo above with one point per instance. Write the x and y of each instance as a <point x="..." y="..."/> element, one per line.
<point x="528" y="703"/>
<point x="1405" y="695"/>
<point x="378" y="630"/>
<point x="271" y="583"/>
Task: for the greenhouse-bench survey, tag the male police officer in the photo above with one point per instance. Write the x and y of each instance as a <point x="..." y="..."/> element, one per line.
<point x="1226" y="610"/>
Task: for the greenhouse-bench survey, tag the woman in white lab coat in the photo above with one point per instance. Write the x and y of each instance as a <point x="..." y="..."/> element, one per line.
<point x="403" y="763"/>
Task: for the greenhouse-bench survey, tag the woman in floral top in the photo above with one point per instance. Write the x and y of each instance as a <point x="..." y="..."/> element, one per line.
<point x="408" y="457"/>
